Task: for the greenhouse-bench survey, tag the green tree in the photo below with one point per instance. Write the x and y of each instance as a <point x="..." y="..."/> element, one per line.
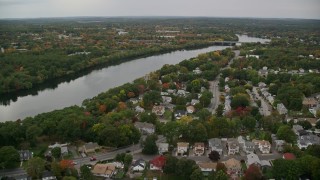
<point x="203" y="114"/>
<point x="170" y="165"/>
<point x="127" y="161"/>
<point x="197" y="174"/>
<point x="313" y="150"/>
<point x="150" y="146"/>
<point x="220" y="175"/>
<point x="214" y="156"/>
<point x="249" y="122"/>
<point x="285" y="133"/>
<point x="86" y="173"/>
<point x="148" y="117"/>
<point x="35" y="167"/>
<point x="56" y="152"/>
<point x="33" y="132"/>
<point x="185" y="167"/>
<point x="239" y="100"/>
<point x="205" y="99"/>
<point x="56" y="169"/>
<point x="305" y="124"/>
<point x="9" y="157"/>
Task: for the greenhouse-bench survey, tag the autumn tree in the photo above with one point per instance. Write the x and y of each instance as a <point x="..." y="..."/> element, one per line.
<point x="253" y="173"/>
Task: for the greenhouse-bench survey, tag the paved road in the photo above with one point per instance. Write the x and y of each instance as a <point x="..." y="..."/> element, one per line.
<point x="265" y="108"/>
<point x="134" y="149"/>
<point x="12" y="172"/>
<point x="214" y="87"/>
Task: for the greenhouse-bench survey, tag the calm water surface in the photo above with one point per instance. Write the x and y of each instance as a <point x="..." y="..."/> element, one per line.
<point x="74" y="92"/>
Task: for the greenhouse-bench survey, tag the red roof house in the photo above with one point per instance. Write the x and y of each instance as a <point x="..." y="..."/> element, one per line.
<point x="289" y="156"/>
<point x="157" y="163"/>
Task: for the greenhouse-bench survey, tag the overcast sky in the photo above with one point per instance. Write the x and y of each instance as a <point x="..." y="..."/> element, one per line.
<point x="307" y="9"/>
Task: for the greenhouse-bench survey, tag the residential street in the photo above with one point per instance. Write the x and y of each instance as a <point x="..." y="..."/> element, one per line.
<point x="214" y="87"/>
<point x="265" y="108"/>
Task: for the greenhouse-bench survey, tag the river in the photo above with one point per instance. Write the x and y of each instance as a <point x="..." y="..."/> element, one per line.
<point x="74" y="92"/>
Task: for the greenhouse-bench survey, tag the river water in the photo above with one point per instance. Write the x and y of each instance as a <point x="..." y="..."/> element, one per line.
<point x="74" y="92"/>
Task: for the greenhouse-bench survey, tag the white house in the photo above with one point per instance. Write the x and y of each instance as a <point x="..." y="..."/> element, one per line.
<point x="264" y="146"/>
<point x="233" y="146"/>
<point x="182" y="148"/>
<point x="139" y="165"/>
<point x="190" y="109"/>
<point x="158" y="110"/>
<point x="163" y="147"/>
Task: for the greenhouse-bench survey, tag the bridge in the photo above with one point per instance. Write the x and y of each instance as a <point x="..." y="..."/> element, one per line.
<point x="224" y="43"/>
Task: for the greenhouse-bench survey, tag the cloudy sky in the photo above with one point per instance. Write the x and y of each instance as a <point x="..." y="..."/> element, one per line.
<point x="307" y="9"/>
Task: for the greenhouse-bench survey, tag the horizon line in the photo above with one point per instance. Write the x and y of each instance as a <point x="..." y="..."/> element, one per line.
<point x="156" y="16"/>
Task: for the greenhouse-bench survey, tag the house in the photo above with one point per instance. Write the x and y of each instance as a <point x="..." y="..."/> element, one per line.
<point x="163" y="147"/>
<point x="241" y="140"/>
<point x="309" y="102"/>
<point x="145" y="128"/>
<point x="139" y="165"/>
<point x="263" y="72"/>
<point x="157" y="163"/>
<point x="255" y="56"/>
<point x="233" y="146"/>
<point x="279" y="145"/>
<point x="306" y="140"/>
<point x="194" y="102"/>
<point x="197" y="71"/>
<point x="289" y="156"/>
<point x="158" y="110"/>
<point x="133" y="100"/>
<point x="179" y="113"/>
<point x="90" y="147"/>
<point x="297" y="129"/>
<point x="171" y="91"/>
<point x="282" y="109"/>
<point x="25" y="155"/>
<point x="48" y="175"/>
<point x="249" y="147"/>
<point x="215" y="144"/>
<point x="264" y="146"/>
<point x="139" y="109"/>
<point x="166" y="99"/>
<point x="198" y="149"/>
<point x="233" y="167"/>
<point x="207" y="167"/>
<point x="190" y="109"/>
<point x="181" y="92"/>
<point x="104" y="170"/>
<point x="182" y="148"/>
<point x="253" y="159"/>
<point x="63" y="147"/>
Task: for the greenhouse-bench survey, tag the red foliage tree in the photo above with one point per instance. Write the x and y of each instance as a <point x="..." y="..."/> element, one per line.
<point x="253" y="173"/>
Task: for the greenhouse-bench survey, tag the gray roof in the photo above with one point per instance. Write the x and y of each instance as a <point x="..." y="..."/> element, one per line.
<point x="215" y="142"/>
<point x="91" y="145"/>
<point x="143" y="125"/>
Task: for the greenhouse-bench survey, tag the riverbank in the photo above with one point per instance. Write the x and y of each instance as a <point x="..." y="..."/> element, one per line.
<point x="74" y="91"/>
